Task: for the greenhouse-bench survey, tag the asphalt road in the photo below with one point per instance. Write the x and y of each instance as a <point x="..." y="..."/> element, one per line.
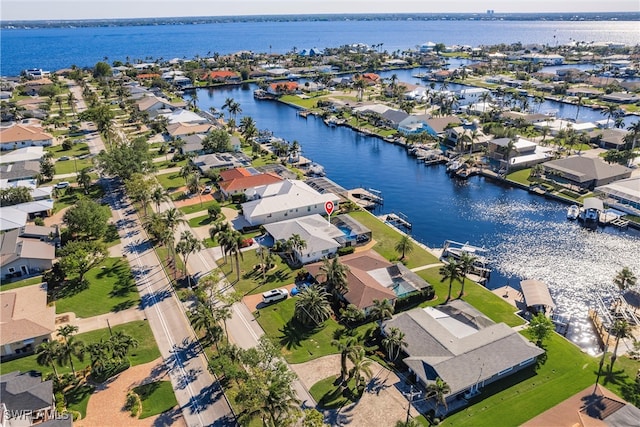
<point x="199" y="395"/>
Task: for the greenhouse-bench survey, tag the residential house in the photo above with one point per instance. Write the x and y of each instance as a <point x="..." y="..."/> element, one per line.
<point x="284" y="200"/>
<point x="179" y="129"/>
<point x="221" y="76"/>
<point x="393" y="118"/>
<point x="591" y="407"/>
<point x="36" y="73"/>
<point x="621" y="98"/>
<point x="37" y="193"/>
<point x="193" y="144"/>
<point x="609" y="138"/>
<point x="371" y="277"/>
<point x="557" y="125"/>
<point x="152" y="104"/>
<point x="471" y="95"/>
<point x="27" y="400"/>
<point x="21" y="136"/>
<point x="539" y="58"/>
<point x="240" y="181"/>
<point x="585" y="172"/>
<point x="33" y="153"/>
<point x="623" y="195"/>
<point x="413" y="124"/>
<point x="283" y="88"/>
<point x="27" y="250"/>
<point x="460" y="345"/>
<point x="12" y="218"/>
<point x="20" y="170"/>
<point x="469" y="138"/>
<point x="221" y="161"/>
<point x="322" y="238"/>
<point x="524" y="153"/>
<point x="513" y="117"/>
<point x="183" y="116"/>
<point x="26" y="320"/>
<point x="370" y="78"/>
<point x="436" y="126"/>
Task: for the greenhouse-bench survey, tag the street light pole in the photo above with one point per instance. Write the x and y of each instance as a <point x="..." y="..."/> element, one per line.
<point x="410" y="396"/>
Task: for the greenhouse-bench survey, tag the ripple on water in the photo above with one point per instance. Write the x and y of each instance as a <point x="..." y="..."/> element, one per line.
<point x="575" y="263"/>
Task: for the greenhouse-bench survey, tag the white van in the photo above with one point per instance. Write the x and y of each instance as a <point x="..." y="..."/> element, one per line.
<point x="274" y="295"/>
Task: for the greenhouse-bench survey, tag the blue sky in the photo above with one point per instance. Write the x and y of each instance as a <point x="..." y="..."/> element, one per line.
<point x="100" y="9"/>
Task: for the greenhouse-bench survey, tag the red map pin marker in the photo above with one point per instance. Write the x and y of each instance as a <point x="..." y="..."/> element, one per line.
<point x="328" y="207"/>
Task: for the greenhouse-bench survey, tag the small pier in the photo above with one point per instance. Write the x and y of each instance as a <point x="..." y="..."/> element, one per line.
<point x="367" y="198"/>
<point x="303" y="113"/>
<point x="398" y="220"/>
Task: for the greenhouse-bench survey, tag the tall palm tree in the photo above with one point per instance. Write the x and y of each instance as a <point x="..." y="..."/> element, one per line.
<point x="393" y="342"/>
<point x="438" y="390"/>
<point x="404" y="246"/>
<point x="451" y="272"/>
<point x="187" y="245"/>
<point x="227" y="104"/>
<point x="625" y="279"/>
<point x="381" y="310"/>
<point x="48" y="355"/>
<point x="346" y="347"/>
<point x="173" y="217"/>
<point x="361" y="365"/>
<point x="620" y="329"/>
<point x="70" y="347"/>
<point x="99" y="355"/>
<point x="312" y="306"/>
<point x="121" y="343"/>
<point x="234" y="244"/>
<point x="84" y="179"/>
<point x="466" y="262"/>
<point x="335" y="274"/>
<point x="159" y="195"/>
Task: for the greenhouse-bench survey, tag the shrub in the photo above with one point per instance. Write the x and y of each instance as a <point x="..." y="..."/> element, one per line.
<point x="67" y="144"/>
<point x="346" y="250"/>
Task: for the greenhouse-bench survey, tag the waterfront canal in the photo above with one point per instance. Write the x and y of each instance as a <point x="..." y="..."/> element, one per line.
<point x="526" y="236"/>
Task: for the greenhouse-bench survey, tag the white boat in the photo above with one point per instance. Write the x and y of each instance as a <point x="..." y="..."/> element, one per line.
<point x="573" y="212"/>
<point x="455" y="250"/>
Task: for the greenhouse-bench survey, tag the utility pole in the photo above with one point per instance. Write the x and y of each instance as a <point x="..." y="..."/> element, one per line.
<point x="410" y="396"/>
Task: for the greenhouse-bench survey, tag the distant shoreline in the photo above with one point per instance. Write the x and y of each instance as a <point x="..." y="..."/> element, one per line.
<point x="564" y="16"/>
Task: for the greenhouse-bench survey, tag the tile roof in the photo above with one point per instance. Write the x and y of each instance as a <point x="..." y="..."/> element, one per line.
<point x="245" y="182"/>
<point x="586" y="168"/>
<point x="235" y="173"/>
<point x="25" y="314"/>
<point x="19" y="133"/>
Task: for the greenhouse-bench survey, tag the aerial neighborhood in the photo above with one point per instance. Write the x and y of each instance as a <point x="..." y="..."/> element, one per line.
<point x="165" y="261"/>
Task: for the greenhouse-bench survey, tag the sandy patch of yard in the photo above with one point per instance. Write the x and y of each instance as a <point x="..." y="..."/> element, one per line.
<point x="106" y="404"/>
<point x="382" y="404"/>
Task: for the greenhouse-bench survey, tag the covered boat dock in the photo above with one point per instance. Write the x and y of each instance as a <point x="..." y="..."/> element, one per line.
<point x="537" y="297"/>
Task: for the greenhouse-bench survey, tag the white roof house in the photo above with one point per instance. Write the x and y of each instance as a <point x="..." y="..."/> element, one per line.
<point x="284" y="200"/>
<point x="318" y="234"/>
<point x="623" y="194"/>
<point x="184" y="116"/>
<point x="23" y="154"/>
<point x="557" y="125"/>
<point x="11" y="218"/>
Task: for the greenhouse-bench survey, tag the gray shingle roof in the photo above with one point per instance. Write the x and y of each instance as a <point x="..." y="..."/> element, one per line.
<point x="587" y="169"/>
<point x="25" y="391"/>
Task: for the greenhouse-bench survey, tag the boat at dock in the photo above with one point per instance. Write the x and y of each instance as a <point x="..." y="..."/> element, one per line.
<point x="573" y="212"/>
<point x="398" y="220"/>
<point x="455" y="250"/>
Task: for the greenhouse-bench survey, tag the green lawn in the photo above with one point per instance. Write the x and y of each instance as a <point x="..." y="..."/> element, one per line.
<point x="171" y="181"/>
<point x="200" y="221"/>
<point x="251" y="281"/>
<point x="302" y="102"/>
<point x="198" y="207"/>
<point x="72" y="166"/>
<point x="156" y="397"/>
<point x="146" y="351"/>
<point x="57" y="151"/>
<point x="70" y="195"/>
<point x="526" y="394"/>
<point x="522" y="176"/>
<point x="329" y="395"/>
<point x="20" y="283"/>
<point x="298" y="343"/>
<point x="100" y="297"/>
<point x="477" y="295"/>
<point x="386" y="239"/>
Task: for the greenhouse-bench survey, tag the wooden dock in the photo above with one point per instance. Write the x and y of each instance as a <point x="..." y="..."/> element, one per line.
<point x="366" y="198"/>
<point x="398" y="220"/>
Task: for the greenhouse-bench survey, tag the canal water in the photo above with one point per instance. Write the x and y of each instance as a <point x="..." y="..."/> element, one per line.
<point x="526" y="236"/>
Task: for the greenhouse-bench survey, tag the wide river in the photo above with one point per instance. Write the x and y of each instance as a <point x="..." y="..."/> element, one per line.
<point x="526" y="236"/>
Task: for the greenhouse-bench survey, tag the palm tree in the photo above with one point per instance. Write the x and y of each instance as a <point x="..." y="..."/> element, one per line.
<point x="450" y="271"/>
<point x="70" y="347"/>
<point x="227" y="104"/>
<point x="159" y="195"/>
<point x="99" y="355"/>
<point x="345" y="348"/>
<point x="466" y="262"/>
<point x="312" y="306"/>
<point x="295" y="243"/>
<point x="84" y="179"/>
<point x="578" y="105"/>
<point x="381" y="310"/>
<point x="233" y="246"/>
<point x="393" y="342"/>
<point x="235" y="109"/>
<point x="203" y="319"/>
<point x="625" y="279"/>
<point x="351" y="314"/>
<point x="361" y="365"/>
<point x="404" y="246"/>
<point x="438" y="390"/>
<point x="187" y="245"/>
<point x="620" y="329"/>
<point x="172" y="218"/>
<point x="335" y="274"/>
<point x="121" y="343"/>
<point x="48" y="355"/>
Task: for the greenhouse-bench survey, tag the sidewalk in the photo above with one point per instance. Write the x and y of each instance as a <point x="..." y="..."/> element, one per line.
<point x="101" y="321"/>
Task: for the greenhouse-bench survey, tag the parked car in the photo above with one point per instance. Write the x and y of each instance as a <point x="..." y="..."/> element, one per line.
<point x="274" y="295"/>
<point x="207" y="189"/>
<point x="63" y="158"/>
<point x="62" y="184"/>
